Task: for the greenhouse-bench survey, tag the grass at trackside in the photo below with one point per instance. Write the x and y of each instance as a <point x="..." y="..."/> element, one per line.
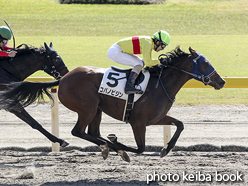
<point x="82" y="34"/>
<point x="178" y="17"/>
<point x="229" y="61"/>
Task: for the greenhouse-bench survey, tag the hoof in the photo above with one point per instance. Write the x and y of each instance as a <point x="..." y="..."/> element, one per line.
<point x="105" y="151"/>
<point x="124" y="155"/>
<point x="64" y="144"/>
<point x="112" y="137"/>
<point x="163" y="152"/>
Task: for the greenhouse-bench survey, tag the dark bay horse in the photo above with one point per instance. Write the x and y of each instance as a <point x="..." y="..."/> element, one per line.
<point x="27" y="61"/>
<point x="78" y="91"/>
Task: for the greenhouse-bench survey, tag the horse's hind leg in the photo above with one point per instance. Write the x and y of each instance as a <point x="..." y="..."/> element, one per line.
<point x="94" y="125"/>
<point x="79" y="131"/>
<point x="93" y="129"/>
<point x="93" y="135"/>
<point x="23" y="115"/>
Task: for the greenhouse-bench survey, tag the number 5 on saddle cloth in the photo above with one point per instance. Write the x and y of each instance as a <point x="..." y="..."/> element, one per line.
<point x="113" y="83"/>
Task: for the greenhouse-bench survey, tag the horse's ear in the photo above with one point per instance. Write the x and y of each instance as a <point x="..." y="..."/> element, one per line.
<point x="193" y="52"/>
<point x="47" y="48"/>
<point x="190" y="49"/>
<point x="51" y="45"/>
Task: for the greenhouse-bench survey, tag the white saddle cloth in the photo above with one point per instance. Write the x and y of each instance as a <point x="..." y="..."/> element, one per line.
<point x="113" y="84"/>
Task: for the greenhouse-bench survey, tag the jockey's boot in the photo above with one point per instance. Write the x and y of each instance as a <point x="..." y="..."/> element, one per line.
<point x="130" y="89"/>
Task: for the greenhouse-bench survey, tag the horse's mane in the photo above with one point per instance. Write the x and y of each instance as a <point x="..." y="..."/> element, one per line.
<point x="172" y="57"/>
<point x="27" y="49"/>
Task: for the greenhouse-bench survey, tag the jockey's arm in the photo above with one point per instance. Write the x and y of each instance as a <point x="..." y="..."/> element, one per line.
<point x="7" y="54"/>
<point x="4" y="54"/>
<point x="7" y="48"/>
<point x="147" y="48"/>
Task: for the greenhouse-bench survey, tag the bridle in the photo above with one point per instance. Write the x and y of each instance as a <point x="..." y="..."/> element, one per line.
<point x="195" y="73"/>
<point x="50" y="68"/>
<point x="48" y="65"/>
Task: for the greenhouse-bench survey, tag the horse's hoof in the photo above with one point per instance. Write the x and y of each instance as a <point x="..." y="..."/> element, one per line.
<point x="105" y="151"/>
<point x="64" y="144"/>
<point x="163" y="152"/>
<point x="112" y="137"/>
<point x="124" y="155"/>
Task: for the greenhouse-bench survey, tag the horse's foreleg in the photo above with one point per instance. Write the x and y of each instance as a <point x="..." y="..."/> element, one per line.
<point x="167" y="120"/>
<point x="141" y="147"/>
<point x="114" y="145"/>
<point x="139" y="138"/>
<point x="139" y="134"/>
<point x="23" y="115"/>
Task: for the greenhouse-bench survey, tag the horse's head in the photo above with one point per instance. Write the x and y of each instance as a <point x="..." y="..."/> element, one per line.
<point x="202" y="70"/>
<point x="54" y="65"/>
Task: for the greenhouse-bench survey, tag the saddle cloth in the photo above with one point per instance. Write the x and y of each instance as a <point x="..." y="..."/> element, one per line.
<point x="114" y="81"/>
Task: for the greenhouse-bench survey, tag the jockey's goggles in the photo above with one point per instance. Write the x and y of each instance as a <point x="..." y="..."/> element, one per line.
<point x="163" y="46"/>
<point x="5" y="42"/>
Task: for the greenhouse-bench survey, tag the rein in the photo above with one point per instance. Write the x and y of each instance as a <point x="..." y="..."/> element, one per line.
<point x="159" y="80"/>
<point x="204" y="78"/>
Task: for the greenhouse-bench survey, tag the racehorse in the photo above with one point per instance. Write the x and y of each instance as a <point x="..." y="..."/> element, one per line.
<point x="27" y="61"/>
<point x="78" y="91"/>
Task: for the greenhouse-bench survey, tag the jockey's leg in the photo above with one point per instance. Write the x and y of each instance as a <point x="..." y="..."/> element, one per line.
<point x="130" y="85"/>
<point x="116" y="54"/>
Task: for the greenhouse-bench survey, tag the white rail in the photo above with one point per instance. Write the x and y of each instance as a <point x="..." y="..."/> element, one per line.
<point x="54" y="109"/>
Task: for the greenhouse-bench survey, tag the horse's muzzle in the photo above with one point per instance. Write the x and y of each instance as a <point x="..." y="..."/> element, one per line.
<point x="220" y="83"/>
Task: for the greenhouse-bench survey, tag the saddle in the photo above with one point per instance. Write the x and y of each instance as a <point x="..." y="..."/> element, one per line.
<point x="138" y="80"/>
<point x="113" y="83"/>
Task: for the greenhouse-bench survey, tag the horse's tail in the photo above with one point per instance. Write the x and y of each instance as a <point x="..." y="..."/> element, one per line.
<point x="25" y="93"/>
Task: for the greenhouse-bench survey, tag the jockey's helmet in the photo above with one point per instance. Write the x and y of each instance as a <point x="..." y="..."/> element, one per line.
<point x="163" y="37"/>
<point x="5" y="32"/>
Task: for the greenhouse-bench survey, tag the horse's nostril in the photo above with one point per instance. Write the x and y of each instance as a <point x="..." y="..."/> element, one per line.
<point x="222" y="81"/>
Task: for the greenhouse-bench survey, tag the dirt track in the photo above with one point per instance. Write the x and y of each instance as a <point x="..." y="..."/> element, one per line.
<point x="222" y="130"/>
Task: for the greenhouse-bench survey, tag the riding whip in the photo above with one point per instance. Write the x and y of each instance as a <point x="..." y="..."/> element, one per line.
<point x="11" y="32"/>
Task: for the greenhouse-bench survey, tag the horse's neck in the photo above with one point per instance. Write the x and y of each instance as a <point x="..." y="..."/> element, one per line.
<point x="178" y="80"/>
<point x="174" y="79"/>
<point x="24" y="65"/>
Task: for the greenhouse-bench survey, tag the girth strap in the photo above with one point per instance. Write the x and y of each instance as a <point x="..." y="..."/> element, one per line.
<point x="128" y="108"/>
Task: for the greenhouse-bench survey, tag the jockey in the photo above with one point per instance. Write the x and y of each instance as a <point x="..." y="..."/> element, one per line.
<point x="125" y="50"/>
<point x="5" y="35"/>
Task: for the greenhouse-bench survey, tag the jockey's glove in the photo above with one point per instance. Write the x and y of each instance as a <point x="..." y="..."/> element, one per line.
<point x="164" y="61"/>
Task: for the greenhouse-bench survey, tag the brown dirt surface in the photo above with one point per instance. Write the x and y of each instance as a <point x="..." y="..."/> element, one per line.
<point x="212" y="147"/>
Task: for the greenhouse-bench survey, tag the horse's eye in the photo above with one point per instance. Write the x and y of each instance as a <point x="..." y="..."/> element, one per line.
<point x="57" y="58"/>
<point x="205" y="65"/>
